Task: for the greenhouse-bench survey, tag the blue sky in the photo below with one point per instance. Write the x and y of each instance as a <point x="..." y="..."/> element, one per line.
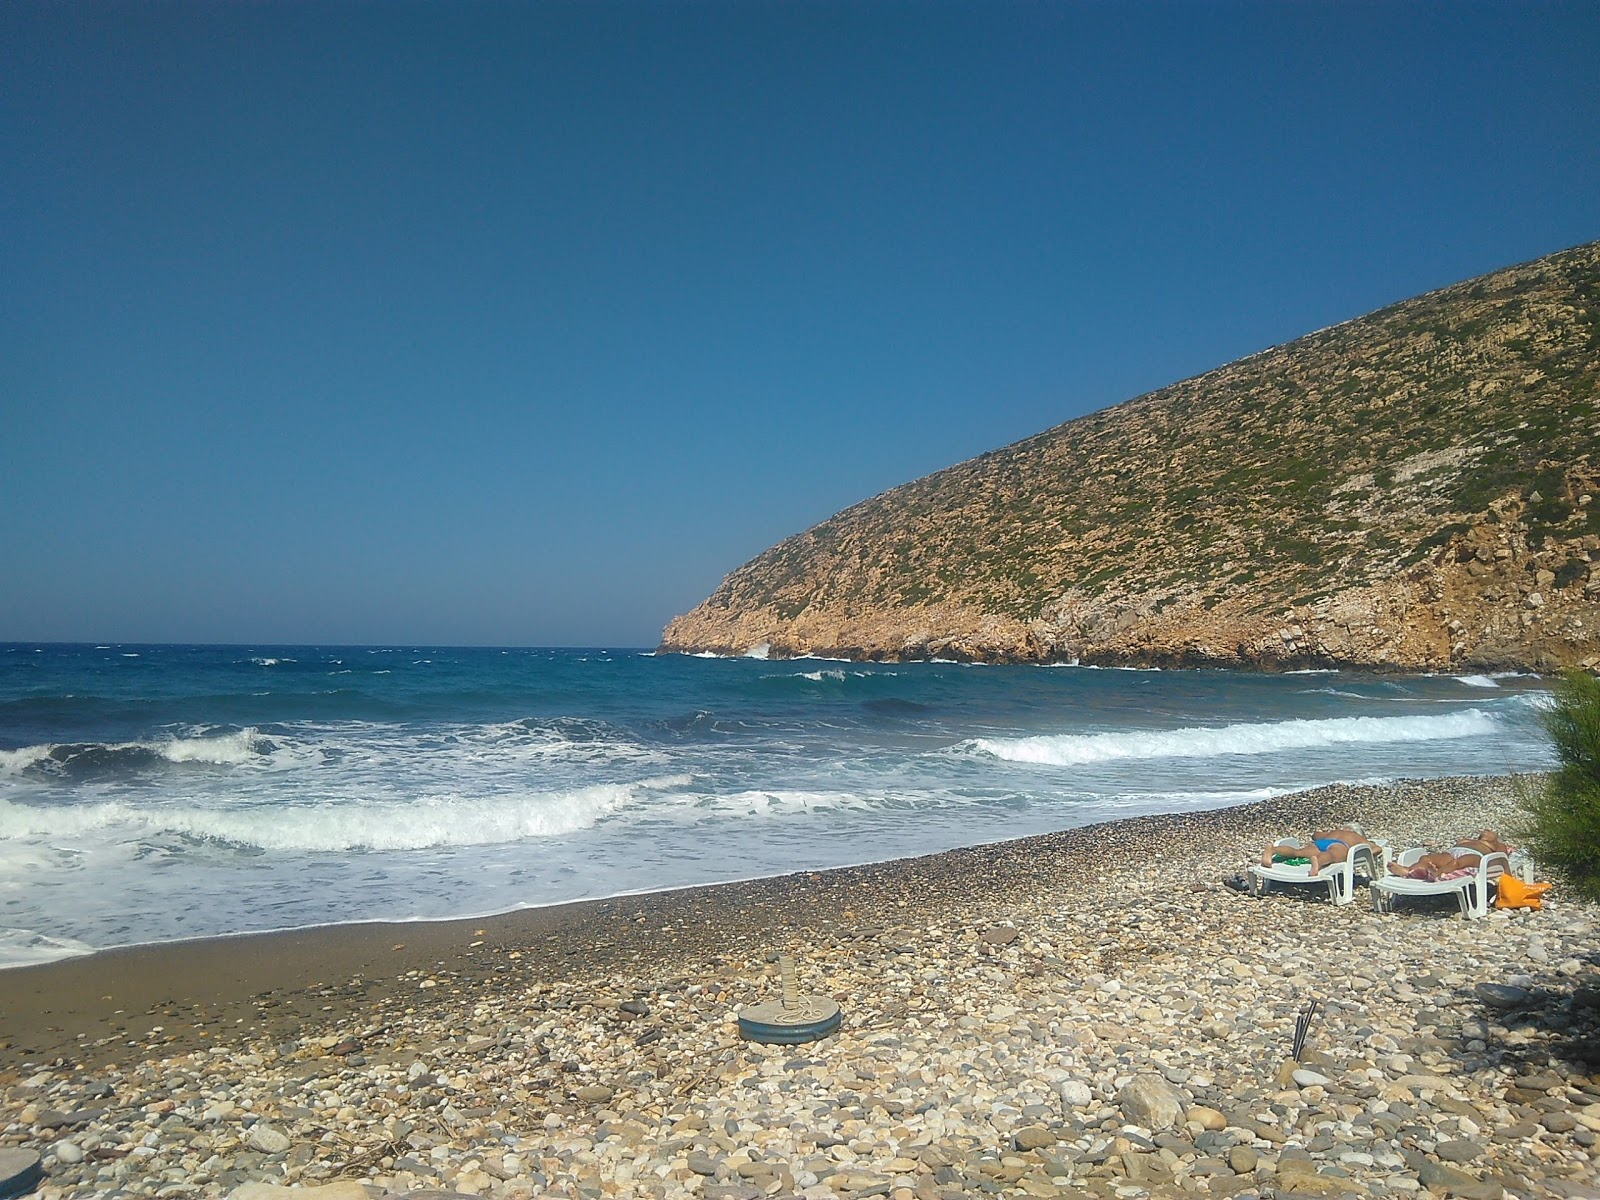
<point x="525" y="323"/>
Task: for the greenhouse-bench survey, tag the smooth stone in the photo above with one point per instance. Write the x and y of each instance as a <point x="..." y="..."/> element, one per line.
<point x="1033" y="1137"/>
<point x="344" y="1189"/>
<point x="1540" y="1083"/>
<point x="1559" y="1122"/>
<point x="1207" y="1118"/>
<point x="594" y="1093"/>
<point x="1305" y="1078"/>
<point x="1501" y="995"/>
<point x="1437" y="1177"/>
<point x="67" y="1152"/>
<point x="267" y="1139"/>
<point x="1309" y="1183"/>
<point x="1074" y="1093"/>
<point x="1458" y="1151"/>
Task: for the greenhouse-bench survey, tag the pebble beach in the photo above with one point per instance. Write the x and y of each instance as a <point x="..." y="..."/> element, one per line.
<point x="1088" y="1013"/>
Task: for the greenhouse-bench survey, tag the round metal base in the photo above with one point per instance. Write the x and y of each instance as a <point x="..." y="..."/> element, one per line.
<point x="812" y="1018"/>
<point x="19" y="1171"/>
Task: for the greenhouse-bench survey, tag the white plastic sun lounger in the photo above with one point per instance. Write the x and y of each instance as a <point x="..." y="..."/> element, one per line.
<point x="1340" y="878"/>
<point x="1471" y="891"/>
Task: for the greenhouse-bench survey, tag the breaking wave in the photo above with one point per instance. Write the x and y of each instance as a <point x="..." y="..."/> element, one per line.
<point x="78" y="759"/>
<point x="1216" y="741"/>
<point x="414" y="824"/>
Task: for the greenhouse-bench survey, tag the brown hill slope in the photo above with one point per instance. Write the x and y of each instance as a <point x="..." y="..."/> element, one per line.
<point x="1409" y="489"/>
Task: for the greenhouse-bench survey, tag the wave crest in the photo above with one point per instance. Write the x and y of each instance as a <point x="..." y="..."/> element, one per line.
<point x="1270" y="737"/>
<point x="416" y="824"/>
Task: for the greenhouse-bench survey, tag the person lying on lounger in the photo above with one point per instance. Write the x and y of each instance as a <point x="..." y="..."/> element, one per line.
<point x="1465" y="855"/>
<point x="1327" y="847"/>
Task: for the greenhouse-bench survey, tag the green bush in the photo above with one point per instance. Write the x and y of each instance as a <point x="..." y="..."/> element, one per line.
<point x="1563" y="826"/>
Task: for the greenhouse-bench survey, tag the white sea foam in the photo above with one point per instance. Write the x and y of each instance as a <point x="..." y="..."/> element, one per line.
<point x="1477" y="681"/>
<point x="1216" y="741"/>
<point x="759" y="651"/>
<point x="223" y="750"/>
<point x="14" y="762"/>
<point x="777" y="802"/>
<point x="414" y="824"/>
<point x="24" y="947"/>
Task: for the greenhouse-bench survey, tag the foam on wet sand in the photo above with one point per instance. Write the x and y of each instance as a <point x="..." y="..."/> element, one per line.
<point x="999" y="1002"/>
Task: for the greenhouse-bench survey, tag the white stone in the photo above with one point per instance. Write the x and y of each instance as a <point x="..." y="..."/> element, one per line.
<point x="67" y="1152"/>
<point x="1074" y="1093"/>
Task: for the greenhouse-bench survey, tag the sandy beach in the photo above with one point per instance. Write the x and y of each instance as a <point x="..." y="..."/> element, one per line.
<point x="1089" y="1012"/>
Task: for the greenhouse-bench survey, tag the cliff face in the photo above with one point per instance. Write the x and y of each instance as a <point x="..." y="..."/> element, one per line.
<point x="1412" y="489"/>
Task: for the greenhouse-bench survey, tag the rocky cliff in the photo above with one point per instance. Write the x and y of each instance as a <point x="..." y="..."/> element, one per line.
<point x="1412" y="489"/>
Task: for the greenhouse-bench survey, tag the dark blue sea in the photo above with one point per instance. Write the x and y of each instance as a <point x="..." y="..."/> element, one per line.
<point x="150" y="793"/>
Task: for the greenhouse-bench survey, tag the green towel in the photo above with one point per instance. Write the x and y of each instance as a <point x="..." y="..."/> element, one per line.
<point x="1290" y="860"/>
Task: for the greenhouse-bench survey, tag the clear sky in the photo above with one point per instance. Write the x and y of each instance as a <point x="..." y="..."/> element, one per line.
<point x="478" y="323"/>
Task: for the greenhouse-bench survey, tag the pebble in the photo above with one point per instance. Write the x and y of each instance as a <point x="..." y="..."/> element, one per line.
<point x="67" y="1152"/>
<point x="1120" y="1033"/>
<point x="267" y="1139"/>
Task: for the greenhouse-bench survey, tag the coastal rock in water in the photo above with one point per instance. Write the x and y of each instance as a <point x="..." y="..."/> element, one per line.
<point x="1150" y="1101"/>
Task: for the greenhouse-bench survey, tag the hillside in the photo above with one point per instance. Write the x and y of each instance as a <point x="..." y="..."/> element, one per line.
<point x="1411" y="489"/>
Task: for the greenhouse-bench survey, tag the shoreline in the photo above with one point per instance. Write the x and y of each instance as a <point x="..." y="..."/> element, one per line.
<point x="102" y="1006"/>
<point x="998" y="1003"/>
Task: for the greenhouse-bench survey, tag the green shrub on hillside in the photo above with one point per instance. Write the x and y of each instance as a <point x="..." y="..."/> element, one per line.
<point x="1563" y="827"/>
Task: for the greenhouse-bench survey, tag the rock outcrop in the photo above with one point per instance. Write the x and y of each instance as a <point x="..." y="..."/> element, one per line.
<point x="1414" y="489"/>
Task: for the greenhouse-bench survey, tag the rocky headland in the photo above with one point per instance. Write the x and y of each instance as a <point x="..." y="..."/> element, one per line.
<point x="1414" y="490"/>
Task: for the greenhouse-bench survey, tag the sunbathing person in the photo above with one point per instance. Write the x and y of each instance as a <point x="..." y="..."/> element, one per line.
<point x="1486" y="841"/>
<point x="1328" y="847"/>
<point x="1466" y="855"/>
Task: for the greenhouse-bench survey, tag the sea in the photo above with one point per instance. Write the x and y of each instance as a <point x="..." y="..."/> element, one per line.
<point x="155" y="793"/>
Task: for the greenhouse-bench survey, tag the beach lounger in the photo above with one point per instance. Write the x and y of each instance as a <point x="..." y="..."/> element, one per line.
<point x="1471" y="889"/>
<point x="1340" y="879"/>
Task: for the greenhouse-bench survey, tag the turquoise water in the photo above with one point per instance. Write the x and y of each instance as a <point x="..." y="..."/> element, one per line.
<point x="149" y="793"/>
